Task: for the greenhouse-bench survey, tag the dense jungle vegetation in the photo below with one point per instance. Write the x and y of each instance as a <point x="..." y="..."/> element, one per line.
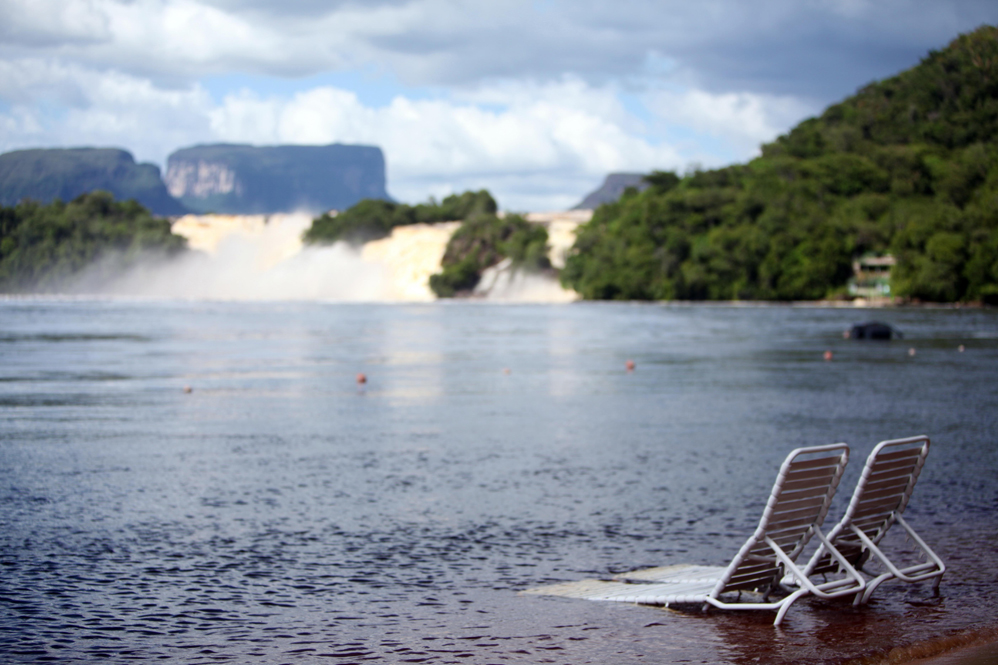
<point x="483" y="241"/>
<point x="908" y="166"/>
<point x="371" y="219"/>
<point x="41" y="246"/>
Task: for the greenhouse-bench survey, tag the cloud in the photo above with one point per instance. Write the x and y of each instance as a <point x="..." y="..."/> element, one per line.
<point x="741" y="120"/>
<point x="563" y="132"/>
<point x="819" y="48"/>
<point x="58" y="104"/>
<point x="534" y="100"/>
<point x="170" y="41"/>
<point x="535" y="146"/>
<point x="38" y="24"/>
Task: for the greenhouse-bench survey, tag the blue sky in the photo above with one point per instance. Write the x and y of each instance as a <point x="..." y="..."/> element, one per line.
<point x="536" y="101"/>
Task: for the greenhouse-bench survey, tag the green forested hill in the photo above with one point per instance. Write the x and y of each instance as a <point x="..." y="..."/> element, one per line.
<point x="371" y="219"/>
<point x="43" y="245"/>
<point x="65" y="173"/>
<point x="481" y="242"/>
<point x="907" y="166"/>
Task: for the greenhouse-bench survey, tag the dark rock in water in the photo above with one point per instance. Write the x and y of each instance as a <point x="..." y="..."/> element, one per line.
<point x="612" y="189"/>
<point x="873" y="330"/>
<point x="244" y="179"/>
<point x="65" y="173"/>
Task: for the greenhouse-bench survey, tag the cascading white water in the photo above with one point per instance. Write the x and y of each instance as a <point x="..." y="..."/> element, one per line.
<point x="257" y="257"/>
<point x="409" y="256"/>
<point x="252" y="258"/>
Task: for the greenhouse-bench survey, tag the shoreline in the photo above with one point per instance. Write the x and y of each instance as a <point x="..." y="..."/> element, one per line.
<point x="974" y="646"/>
<point x="734" y="304"/>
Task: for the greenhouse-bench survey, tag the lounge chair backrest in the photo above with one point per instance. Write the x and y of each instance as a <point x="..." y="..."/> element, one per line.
<point x="882" y="493"/>
<point x="797" y="505"/>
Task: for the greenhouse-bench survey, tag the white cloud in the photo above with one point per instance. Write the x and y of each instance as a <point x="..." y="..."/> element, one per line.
<point x="767" y="45"/>
<point x="443" y="144"/>
<point x="742" y="120"/>
<point x="528" y="99"/>
<point x="67" y="105"/>
<point x="189" y="38"/>
<point x="544" y="148"/>
<point x="536" y="145"/>
<point x="52" y="23"/>
<point x="171" y="41"/>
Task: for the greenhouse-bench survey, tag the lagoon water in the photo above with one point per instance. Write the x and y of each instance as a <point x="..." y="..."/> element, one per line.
<point x="281" y="513"/>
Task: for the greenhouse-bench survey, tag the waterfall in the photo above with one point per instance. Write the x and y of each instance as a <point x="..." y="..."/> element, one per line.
<point x="261" y="257"/>
<point x="409" y="256"/>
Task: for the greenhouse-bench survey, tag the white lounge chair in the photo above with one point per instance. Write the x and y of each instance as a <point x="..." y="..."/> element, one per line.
<point x="794" y="513"/>
<point x="881" y="495"/>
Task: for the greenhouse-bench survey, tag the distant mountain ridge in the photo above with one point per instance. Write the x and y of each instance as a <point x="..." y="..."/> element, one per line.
<point x="612" y="189"/>
<point x="65" y="173"/>
<point x="245" y="179"/>
<point x="223" y="178"/>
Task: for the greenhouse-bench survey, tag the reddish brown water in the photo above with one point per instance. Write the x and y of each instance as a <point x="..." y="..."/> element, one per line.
<point x="279" y="512"/>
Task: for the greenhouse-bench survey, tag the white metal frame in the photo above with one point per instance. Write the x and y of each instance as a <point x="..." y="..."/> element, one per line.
<point x="797" y="506"/>
<point x="886" y="485"/>
<point x="782" y="503"/>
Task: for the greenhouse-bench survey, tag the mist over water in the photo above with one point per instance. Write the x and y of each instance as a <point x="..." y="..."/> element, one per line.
<point x="502" y="284"/>
<point x="256" y="257"/>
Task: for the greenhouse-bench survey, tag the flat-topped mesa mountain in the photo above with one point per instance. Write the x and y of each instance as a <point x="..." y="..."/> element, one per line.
<point x="244" y="179"/>
<point x="612" y="189"/>
<point x="65" y="173"/>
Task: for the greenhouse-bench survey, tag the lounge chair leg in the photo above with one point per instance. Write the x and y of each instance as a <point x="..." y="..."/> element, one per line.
<point x="872" y="586"/>
<point x="935" y="584"/>
<point x="787" y="602"/>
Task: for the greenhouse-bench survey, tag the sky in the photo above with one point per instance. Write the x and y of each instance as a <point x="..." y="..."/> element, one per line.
<point x="534" y="100"/>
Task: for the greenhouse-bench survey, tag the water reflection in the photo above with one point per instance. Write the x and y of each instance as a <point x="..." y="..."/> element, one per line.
<point x="413" y="347"/>
<point x="276" y="512"/>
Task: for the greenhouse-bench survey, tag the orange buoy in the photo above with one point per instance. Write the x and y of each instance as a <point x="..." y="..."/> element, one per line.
<point x="505" y="370"/>
<point x="828" y="355"/>
<point x="361" y="378"/>
<point x="188" y="389"/>
<point x="629" y="365"/>
<point x="911" y="351"/>
<point x="960" y="348"/>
